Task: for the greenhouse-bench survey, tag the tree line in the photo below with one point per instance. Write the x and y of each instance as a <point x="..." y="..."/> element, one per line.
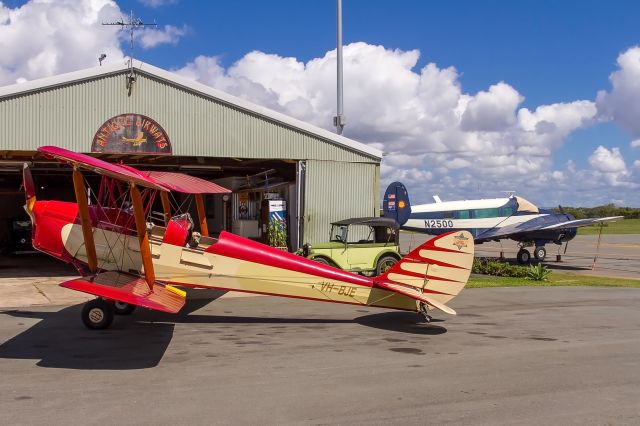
<point x="602" y="211"/>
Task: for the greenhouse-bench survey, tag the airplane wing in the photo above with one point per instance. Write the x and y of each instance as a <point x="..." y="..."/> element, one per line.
<point x="130" y="289"/>
<point x="123" y="173"/>
<point x="544" y="222"/>
<point x="87" y="162"/>
<point x="186" y="184"/>
<point x="435" y="272"/>
<point x="583" y="222"/>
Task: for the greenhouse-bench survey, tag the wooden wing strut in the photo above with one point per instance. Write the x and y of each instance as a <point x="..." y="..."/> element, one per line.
<point x="141" y="228"/>
<point x="166" y="207"/>
<point x="204" y="229"/>
<point x="85" y="221"/>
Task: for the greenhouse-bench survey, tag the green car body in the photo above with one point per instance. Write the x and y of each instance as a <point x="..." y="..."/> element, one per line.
<point x="368" y="245"/>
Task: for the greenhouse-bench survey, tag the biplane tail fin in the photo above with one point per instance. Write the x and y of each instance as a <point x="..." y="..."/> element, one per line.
<point x="435" y="272"/>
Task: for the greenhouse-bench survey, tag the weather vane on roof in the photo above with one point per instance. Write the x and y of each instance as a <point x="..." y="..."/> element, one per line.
<point x="131" y="25"/>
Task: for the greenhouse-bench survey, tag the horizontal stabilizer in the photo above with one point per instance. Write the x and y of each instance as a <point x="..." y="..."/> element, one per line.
<point x="415" y="293"/>
<point x="130" y="289"/>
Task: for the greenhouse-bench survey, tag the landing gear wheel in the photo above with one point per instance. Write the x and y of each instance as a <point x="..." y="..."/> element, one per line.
<point x="97" y="314"/>
<point x="540" y="253"/>
<point x="321" y="260"/>
<point x="524" y="256"/>
<point x="385" y="263"/>
<point x="122" y="308"/>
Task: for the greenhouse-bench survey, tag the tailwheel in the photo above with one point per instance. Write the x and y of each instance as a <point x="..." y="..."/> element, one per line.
<point x="524" y="256"/>
<point x="540" y="253"/>
<point x="422" y="310"/>
<point x="122" y="308"/>
<point x="97" y="314"/>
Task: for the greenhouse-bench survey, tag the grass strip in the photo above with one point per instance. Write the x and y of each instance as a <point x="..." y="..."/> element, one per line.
<point x="556" y="279"/>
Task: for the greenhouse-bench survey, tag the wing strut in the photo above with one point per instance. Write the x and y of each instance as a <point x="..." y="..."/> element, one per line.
<point x="85" y="221"/>
<point x="141" y="228"/>
<point x="166" y="207"/>
<point x="204" y="229"/>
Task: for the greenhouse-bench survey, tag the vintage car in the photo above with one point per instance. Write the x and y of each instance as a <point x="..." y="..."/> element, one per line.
<point x="368" y="245"/>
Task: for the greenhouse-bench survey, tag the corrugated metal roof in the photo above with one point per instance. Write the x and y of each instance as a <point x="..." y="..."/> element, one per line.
<point x="194" y="87"/>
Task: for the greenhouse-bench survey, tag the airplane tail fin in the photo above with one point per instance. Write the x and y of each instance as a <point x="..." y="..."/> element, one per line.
<point x="435" y="272"/>
<point x="396" y="203"/>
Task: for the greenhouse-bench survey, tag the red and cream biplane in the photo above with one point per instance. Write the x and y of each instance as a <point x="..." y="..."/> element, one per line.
<point x="127" y="260"/>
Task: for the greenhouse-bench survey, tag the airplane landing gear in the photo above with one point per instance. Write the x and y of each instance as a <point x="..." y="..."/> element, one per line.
<point x="524" y="256"/>
<point x="540" y="253"/>
<point x="122" y="308"/>
<point x="97" y="314"/>
<point x="423" y="311"/>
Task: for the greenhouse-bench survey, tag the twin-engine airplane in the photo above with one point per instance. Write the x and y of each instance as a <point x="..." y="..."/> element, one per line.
<point x="487" y="220"/>
<point x="128" y="260"/>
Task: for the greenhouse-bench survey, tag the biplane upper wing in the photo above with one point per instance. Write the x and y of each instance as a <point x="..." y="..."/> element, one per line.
<point x="83" y="161"/>
<point x="187" y="184"/>
<point x="540" y="223"/>
<point x="435" y="272"/>
<point x="130" y="289"/>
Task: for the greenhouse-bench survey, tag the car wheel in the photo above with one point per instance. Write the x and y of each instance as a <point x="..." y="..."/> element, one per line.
<point x="385" y="263"/>
<point x="540" y="253"/>
<point x="321" y="260"/>
<point x="524" y="256"/>
<point x="97" y="314"/>
<point x="122" y="308"/>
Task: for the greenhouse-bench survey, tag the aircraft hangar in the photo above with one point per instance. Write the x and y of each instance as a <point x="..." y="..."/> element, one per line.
<point x="153" y="119"/>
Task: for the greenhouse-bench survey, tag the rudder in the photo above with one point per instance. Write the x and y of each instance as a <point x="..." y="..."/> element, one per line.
<point x="396" y="203"/>
<point x="439" y="268"/>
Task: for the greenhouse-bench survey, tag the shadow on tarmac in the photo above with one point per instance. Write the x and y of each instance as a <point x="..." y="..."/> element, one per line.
<point x="401" y="322"/>
<point x="60" y="340"/>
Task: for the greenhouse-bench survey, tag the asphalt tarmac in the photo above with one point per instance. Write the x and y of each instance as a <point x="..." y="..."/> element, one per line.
<point x="512" y="356"/>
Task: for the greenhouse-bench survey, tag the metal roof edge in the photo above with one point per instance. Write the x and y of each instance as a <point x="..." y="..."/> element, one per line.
<point x="95" y="72"/>
<point x="61" y="79"/>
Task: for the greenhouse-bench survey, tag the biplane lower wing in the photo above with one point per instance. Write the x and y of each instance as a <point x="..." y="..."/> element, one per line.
<point x="130" y="289"/>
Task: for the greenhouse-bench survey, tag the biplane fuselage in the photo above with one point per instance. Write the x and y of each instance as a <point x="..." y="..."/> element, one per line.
<point x="228" y="263"/>
<point x="125" y="258"/>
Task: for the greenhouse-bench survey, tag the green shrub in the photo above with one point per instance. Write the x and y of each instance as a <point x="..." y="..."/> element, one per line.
<point x="497" y="268"/>
<point x="538" y="272"/>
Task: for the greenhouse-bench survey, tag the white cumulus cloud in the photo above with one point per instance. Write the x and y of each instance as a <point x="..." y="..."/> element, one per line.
<point x="436" y="136"/>
<point x="622" y="103"/>
<point x="607" y="161"/>
<point x="42" y="38"/>
<point x="635" y="143"/>
<point x="168" y="35"/>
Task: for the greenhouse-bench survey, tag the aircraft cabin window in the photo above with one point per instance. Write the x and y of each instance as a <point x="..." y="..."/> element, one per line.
<point x="463" y="214"/>
<point x="507" y="211"/>
<point x="447" y="215"/>
<point x="484" y="213"/>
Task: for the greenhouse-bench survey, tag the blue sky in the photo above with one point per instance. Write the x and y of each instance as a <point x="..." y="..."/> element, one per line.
<point x="547" y="53"/>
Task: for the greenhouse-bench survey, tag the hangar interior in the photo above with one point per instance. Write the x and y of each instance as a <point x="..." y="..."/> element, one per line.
<point x="151" y="119"/>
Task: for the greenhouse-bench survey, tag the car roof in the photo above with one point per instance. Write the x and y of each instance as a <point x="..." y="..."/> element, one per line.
<point x="371" y="221"/>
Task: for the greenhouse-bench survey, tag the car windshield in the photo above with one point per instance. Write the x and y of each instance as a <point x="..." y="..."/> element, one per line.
<point x="360" y="234"/>
<point x="338" y="233"/>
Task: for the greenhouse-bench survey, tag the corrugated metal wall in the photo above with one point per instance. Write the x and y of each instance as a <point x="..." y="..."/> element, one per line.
<point x="338" y="190"/>
<point x="69" y="116"/>
<point x="340" y="183"/>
